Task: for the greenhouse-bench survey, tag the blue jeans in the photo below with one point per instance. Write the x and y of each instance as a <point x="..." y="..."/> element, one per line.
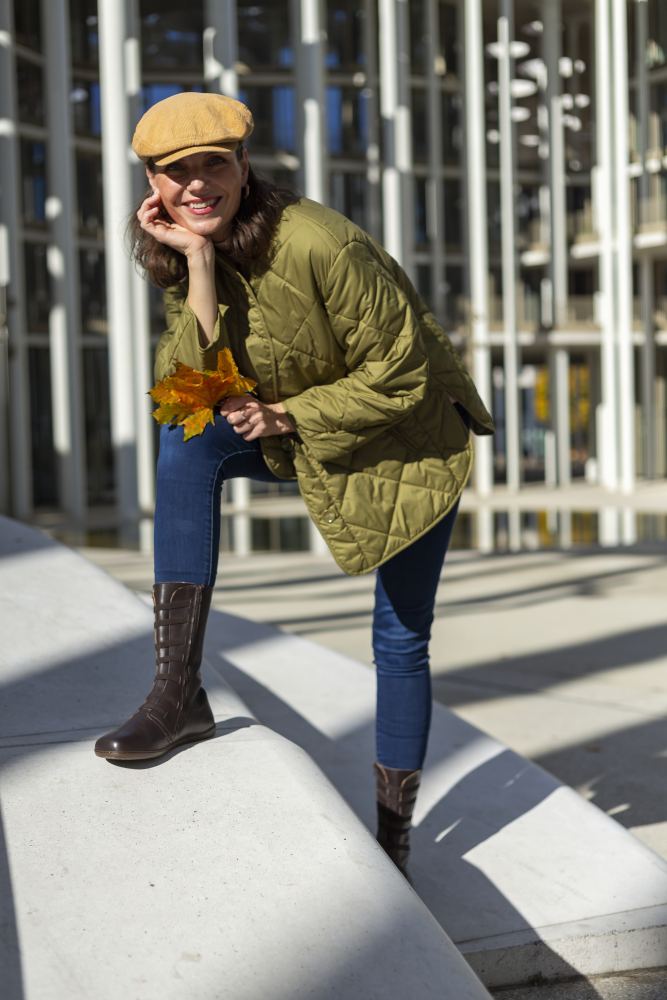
<point x="187" y="539"/>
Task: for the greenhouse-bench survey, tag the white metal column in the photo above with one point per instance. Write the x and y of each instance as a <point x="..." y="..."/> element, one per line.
<point x="311" y="97"/>
<point x="141" y="334"/>
<point x="117" y="181"/>
<point x="478" y="254"/>
<point x="13" y="363"/>
<point x="604" y="213"/>
<point x="63" y="268"/>
<point x="370" y="98"/>
<point x="221" y="46"/>
<point x="509" y="262"/>
<point x="646" y="261"/>
<point x="435" y="213"/>
<point x="626" y="401"/>
<point x="397" y="186"/>
<point x="623" y="276"/>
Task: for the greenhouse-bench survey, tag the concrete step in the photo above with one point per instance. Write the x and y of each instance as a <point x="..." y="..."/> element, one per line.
<point x="231" y="869"/>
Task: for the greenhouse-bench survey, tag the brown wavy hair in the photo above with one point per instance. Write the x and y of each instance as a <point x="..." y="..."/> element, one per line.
<point x="248" y="246"/>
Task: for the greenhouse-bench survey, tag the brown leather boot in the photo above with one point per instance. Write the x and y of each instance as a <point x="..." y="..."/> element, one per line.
<point x="176" y="710"/>
<point x="396" y="796"/>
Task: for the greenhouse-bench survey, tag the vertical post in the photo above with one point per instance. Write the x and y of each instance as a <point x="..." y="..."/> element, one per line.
<point x="397" y="193"/>
<point x="140" y="309"/>
<point x="623" y="276"/>
<point x="62" y="263"/>
<point x="370" y="97"/>
<point x="221" y="46"/>
<point x="13" y="278"/>
<point x="604" y="212"/>
<point x="434" y="185"/>
<point x="478" y="256"/>
<point x="313" y="95"/>
<point x="646" y="264"/>
<point x="508" y="241"/>
<point x="117" y="206"/>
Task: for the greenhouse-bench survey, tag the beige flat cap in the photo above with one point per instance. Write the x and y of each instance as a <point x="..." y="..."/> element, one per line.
<point x="191" y="123"/>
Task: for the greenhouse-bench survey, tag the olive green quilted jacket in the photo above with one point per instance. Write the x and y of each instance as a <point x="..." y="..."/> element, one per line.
<point x="336" y="331"/>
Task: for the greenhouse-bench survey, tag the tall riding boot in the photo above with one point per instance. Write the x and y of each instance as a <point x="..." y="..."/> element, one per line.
<point x="396" y="796"/>
<point x="176" y="710"/>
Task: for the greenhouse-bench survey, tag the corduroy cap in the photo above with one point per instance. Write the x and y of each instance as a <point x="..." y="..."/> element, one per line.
<point x="191" y="123"/>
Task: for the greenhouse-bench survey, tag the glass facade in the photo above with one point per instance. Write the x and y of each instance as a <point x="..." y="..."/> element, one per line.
<point x="556" y="310"/>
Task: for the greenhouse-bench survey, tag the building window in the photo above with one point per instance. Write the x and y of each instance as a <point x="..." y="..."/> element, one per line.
<point x="274" y="112"/>
<point x="30" y="92"/>
<point x="38" y="298"/>
<point x="33" y="186"/>
<point x="347" y="122"/>
<point x="171" y="35"/>
<point x="44" y="468"/>
<point x="90" y="204"/>
<point x="348" y="193"/>
<point x="97" y="409"/>
<point x="86" y="112"/>
<point x="264" y="35"/>
<point x="28" y="23"/>
<point x="84" y="34"/>
<point x="93" y="292"/>
<point x="345" y="35"/>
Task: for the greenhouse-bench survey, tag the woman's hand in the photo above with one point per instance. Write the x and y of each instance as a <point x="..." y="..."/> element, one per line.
<point x="170" y="233"/>
<point x="252" y="419"/>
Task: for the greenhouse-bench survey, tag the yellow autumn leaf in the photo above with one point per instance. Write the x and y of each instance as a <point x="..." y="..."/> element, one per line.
<point x="187" y="398"/>
<point x="196" y="422"/>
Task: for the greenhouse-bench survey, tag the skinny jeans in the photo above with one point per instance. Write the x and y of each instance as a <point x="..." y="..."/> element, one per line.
<point x="190" y="476"/>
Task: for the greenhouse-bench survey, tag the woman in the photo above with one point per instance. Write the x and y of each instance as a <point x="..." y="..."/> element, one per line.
<point x="360" y="397"/>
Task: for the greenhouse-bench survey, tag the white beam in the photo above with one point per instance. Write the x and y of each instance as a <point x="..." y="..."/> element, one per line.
<point x="63" y="267"/>
<point x="118" y="204"/>
<point x="508" y="240"/>
<point x="221" y="46"/>
<point x="13" y="280"/>
<point x="397" y="188"/>
<point x="603" y="204"/>
<point x="478" y="248"/>
<point x="623" y="276"/>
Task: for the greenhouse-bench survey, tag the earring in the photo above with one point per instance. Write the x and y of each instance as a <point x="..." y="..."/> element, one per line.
<point x="246" y="191"/>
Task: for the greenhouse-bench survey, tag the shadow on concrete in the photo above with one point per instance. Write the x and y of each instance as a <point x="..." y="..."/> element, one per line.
<point x="10" y="952"/>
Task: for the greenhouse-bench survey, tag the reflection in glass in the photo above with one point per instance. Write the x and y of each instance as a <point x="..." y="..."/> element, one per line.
<point x="151" y="93"/>
<point x="86" y="111"/>
<point x="38" y="295"/>
<point x="93" y="292"/>
<point x="97" y="409"/>
<point x="30" y="92"/>
<point x="171" y="35"/>
<point x="348" y="194"/>
<point x="28" y="23"/>
<point x="274" y="113"/>
<point x="90" y="202"/>
<point x="33" y="182"/>
<point x="345" y="33"/>
<point x="84" y="36"/>
<point x="347" y="121"/>
<point x="44" y="468"/>
<point x="264" y="35"/>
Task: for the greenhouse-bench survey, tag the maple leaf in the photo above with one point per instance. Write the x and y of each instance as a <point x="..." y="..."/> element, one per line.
<point x="187" y="398"/>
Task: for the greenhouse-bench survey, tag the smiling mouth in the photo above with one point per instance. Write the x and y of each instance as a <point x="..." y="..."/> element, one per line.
<point x="203" y="207"/>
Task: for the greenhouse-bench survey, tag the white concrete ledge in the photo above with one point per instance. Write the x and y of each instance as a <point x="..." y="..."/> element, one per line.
<point x="527" y="878"/>
<point x="232" y="869"/>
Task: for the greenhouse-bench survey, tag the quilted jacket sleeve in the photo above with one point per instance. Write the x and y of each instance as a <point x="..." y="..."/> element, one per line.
<point x="385" y="358"/>
<point x="180" y="341"/>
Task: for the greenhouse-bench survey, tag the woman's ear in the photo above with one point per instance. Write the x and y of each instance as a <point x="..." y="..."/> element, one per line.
<point x="149" y="178"/>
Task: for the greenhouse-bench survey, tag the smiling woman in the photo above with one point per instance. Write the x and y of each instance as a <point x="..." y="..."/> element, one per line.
<point x="360" y="398"/>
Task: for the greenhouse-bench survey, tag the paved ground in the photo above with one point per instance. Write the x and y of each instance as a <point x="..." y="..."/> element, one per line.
<point x="560" y="655"/>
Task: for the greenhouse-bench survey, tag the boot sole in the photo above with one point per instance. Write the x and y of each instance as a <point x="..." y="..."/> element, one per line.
<point x="152" y="754"/>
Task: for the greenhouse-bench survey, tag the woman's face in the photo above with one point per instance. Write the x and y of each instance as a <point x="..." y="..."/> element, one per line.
<point x="203" y="191"/>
